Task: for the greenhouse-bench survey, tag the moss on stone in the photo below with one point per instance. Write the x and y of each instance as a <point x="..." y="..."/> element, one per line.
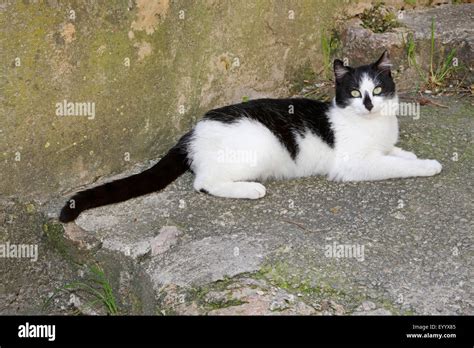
<point x="55" y="234"/>
<point x="82" y="60"/>
<point x="379" y="19"/>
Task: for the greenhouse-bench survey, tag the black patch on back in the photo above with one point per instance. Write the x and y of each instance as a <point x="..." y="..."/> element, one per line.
<point x="275" y="114"/>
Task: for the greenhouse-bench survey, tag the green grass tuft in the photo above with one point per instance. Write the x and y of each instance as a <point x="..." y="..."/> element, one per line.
<point x="440" y="68"/>
<point x="97" y="288"/>
<point x="438" y="74"/>
<point x="330" y="44"/>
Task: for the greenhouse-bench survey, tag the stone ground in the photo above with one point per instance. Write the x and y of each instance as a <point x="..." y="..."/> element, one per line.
<point x="181" y="252"/>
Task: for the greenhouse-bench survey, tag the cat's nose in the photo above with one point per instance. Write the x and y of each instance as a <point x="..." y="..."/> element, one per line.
<point x="368" y="103"/>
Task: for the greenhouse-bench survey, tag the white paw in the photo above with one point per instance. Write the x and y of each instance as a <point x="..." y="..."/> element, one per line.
<point x="409" y="155"/>
<point x="432" y="167"/>
<point x="239" y="189"/>
<point x="256" y="190"/>
<point x="403" y="154"/>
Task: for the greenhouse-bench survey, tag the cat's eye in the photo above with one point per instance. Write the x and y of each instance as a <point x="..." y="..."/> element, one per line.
<point x="377" y="90"/>
<point x="355" y="93"/>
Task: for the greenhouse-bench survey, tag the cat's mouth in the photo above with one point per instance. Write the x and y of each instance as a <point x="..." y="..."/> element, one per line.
<point x="370" y="114"/>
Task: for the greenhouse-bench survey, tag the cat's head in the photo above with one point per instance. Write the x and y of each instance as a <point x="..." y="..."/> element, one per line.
<point x="365" y="90"/>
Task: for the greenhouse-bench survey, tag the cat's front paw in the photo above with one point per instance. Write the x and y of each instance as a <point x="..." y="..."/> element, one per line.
<point x="398" y="152"/>
<point x="409" y="155"/>
<point x="256" y="190"/>
<point x="431" y="167"/>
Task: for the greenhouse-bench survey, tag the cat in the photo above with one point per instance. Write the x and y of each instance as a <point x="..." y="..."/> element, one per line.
<point x="351" y="138"/>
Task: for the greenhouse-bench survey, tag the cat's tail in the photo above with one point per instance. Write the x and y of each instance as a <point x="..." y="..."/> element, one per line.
<point x="168" y="169"/>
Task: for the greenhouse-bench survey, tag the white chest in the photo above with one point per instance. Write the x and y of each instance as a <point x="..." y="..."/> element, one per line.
<point x="359" y="137"/>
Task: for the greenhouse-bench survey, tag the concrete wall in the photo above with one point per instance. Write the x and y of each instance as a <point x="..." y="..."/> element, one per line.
<point x="150" y="69"/>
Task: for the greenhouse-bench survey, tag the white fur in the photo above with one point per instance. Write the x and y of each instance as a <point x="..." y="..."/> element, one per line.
<point x="264" y="157"/>
<point x="365" y="146"/>
<point x="228" y="159"/>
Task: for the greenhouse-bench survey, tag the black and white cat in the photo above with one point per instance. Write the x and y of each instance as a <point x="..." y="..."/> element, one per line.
<point x="351" y="138"/>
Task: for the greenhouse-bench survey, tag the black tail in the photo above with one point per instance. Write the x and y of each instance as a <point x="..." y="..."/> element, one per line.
<point x="168" y="169"/>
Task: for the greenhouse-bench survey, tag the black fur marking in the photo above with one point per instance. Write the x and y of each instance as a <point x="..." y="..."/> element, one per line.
<point x="367" y="102"/>
<point x="204" y="191"/>
<point x="283" y="117"/>
<point x="156" y="178"/>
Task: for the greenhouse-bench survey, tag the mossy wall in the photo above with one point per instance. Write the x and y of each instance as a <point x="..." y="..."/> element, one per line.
<point x="149" y="68"/>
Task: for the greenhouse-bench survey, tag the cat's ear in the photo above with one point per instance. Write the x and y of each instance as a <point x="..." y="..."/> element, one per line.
<point x="340" y="70"/>
<point x="383" y="63"/>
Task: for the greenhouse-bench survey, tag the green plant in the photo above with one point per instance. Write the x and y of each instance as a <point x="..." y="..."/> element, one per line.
<point x="97" y="287"/>
<point x="445" y="68"/>
<point x="329" y="45"/>
<point x="437" y="72"/>
<point x="411" y="56"/>
<point x="411" y="50"/>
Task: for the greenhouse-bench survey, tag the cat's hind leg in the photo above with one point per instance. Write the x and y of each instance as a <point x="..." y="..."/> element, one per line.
<point x="230" y="189"/>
